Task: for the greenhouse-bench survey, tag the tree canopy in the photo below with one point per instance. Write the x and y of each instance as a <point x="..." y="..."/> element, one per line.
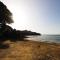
<point x="5" y="14"/>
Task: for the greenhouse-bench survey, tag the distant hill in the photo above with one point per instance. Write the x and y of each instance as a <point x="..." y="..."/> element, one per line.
<point x="26" y="32"/>
<point x="10" y="33"/>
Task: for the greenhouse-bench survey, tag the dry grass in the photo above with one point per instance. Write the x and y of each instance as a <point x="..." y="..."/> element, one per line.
<point x="31" y="50"/>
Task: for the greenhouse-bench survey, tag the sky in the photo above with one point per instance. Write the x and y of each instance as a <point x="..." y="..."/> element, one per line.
<point x="41" y="16"/>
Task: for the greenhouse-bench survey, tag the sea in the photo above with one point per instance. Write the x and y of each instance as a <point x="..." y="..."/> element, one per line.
<point x="45" y="38"/>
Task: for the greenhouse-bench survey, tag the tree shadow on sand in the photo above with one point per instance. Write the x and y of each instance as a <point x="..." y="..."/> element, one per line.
<point x="12" y="35"/>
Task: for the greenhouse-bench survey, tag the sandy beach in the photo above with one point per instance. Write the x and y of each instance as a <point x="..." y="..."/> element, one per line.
<point x="30" y="50"/>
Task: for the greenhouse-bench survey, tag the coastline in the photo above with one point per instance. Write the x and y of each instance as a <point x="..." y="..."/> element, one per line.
<point x="31" y="50"/>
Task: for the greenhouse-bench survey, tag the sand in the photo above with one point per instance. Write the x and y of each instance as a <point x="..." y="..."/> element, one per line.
<point x="30" y="50"/>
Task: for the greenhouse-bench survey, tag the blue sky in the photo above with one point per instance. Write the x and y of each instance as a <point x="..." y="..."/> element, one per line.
<point x="36" y="15"/>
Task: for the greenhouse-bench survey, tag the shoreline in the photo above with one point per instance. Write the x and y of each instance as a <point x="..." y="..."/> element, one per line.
<point x="31" y="50"/>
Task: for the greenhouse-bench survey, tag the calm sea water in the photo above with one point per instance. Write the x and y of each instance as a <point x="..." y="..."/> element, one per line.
<point x="46" y="38"/>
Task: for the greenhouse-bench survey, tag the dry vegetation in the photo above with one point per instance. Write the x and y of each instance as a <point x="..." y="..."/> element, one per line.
<point x="30" y="50"/>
